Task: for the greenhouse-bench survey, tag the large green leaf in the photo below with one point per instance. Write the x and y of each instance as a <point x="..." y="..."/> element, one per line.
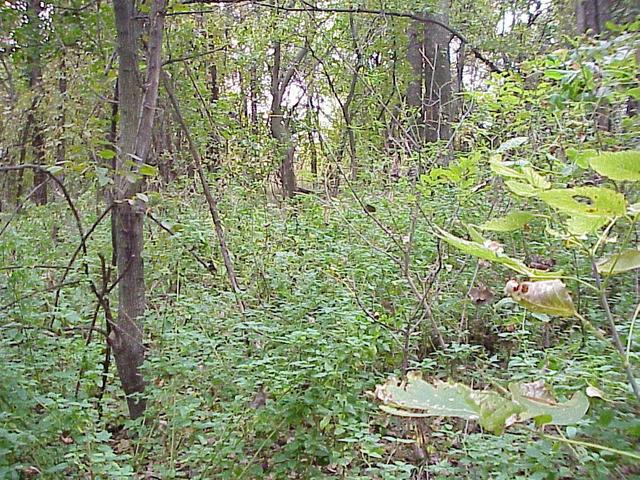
<point x="424" y="399"/>
<point x="504" y="169"/>
<point x="508" y="223"/>
<point x="550" y="297"/>
<point x="535" y="179"/>
<point x="566" y="413"/>
<point x="521" y="189"/>
<point x="586" y="201"/>
<point x="579" y="225"/>
<point x="494" y="412"/>
<point x="487" y="252"/>
<point x="618" y="165"/>
<point x="624" y="261"/>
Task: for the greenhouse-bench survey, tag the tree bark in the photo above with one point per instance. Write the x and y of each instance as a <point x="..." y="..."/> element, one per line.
<point x="591" y="15"/>
<point x="40" y="178"/>
<point x="279" y="129"/>
<point x="136" y="116"/>
<point x="437" y="78"/>
<point x="415" y="94"/>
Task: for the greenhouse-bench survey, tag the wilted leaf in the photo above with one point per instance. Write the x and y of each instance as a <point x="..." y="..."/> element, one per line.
<point x="593" y="392"/>
<point x="627" y="260"/>
<point x="566" y="413"/>
<point x="618" y="165"/>
<point x="537" y="390"/>
<point x="481" y="294"/>
<point x="509" y="223"/>
<point x="545" y="296"/>
<point x="586" y="201"/>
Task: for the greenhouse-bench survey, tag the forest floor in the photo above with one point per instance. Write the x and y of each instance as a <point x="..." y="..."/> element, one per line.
<point x="284" y="390"/>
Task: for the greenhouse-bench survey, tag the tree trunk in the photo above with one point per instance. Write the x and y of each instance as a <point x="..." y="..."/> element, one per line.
<point x="136" y="117"/>
<point x="40" y="178"/>
<point x="437" y="78"/>
<point x="253" y="98"/>
<point x="279" y="129"/>
<point x="591" y="15"/>
<point x="414" y="99"/>
<point x="213" y="148"/>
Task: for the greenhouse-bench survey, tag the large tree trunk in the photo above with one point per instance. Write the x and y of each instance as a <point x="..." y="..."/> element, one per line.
<point x="429" y="92"/>
<point x="437" y="78"/>
<point x="414" y="99"/>
<point x="591" y="15"/>
<point x="136" y="111"/>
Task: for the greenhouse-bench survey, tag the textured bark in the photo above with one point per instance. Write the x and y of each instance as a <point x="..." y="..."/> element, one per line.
<point x="437" y="78"/>
<point x="591" y="15"/>
<point x="414" y="98"/>
<point x="136" y="116"/>
<point x="429" y="92"/>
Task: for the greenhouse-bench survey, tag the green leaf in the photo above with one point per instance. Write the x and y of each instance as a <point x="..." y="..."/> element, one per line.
<point x="579" y="225"/>
<point x="148" y="170"/>
<point x="634" y="93"/>
<point x="103" y="176"/>
<point x="417" y="398"/>
<point x="495" y="410"/>
<point x="55" y="169"/>
<point x="484" y="252"/>
<point x="580" y="158"/>
<point x="555" y="73"/>
<point x="504" y="170"/>
<point x="586" y="201"/>
<point x="625" y="261"/>
<point x="512" y="143"/>
<point x="107" y="154"/>
<point x="521" y="189"/>
<point x="546" y="296"/>
<point x="566" y="413"/>
<point x="509" y="223"/>
<point x="535" y="179"/>
<point x="422" y="398"/>
<point x="622" y="166"/>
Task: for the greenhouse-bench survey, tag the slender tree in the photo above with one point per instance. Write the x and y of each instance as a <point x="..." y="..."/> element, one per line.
<point x="136" y="116"/>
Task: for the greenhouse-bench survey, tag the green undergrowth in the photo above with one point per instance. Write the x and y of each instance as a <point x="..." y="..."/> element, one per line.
<point x="281" y="391"/>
